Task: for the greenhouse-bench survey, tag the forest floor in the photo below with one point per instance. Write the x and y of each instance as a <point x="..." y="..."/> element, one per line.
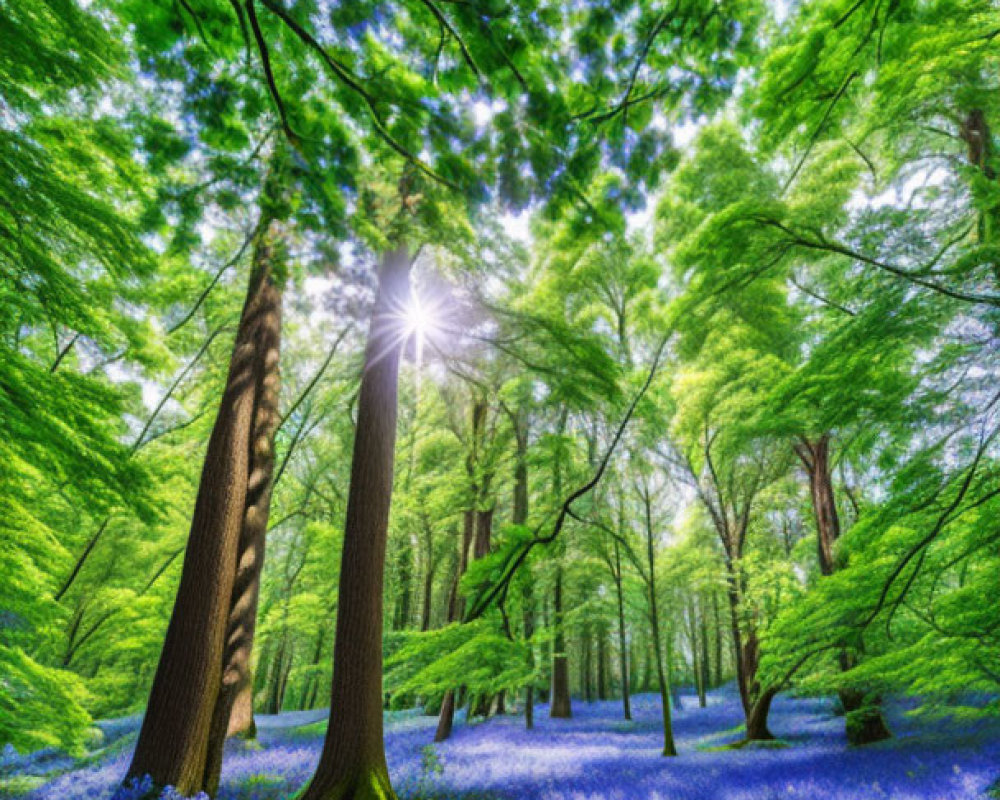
<point x="594" y="756"/>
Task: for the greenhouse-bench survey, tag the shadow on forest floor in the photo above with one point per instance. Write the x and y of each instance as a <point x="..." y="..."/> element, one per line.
<point x="596" y="755"/>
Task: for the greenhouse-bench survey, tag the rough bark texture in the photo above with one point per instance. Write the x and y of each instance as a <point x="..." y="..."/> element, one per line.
<point x="242" y="619"/>
<point x="173" y="743"/>
<point x="559" y="704"/>
<point x="757" y="729"/>
<point x="352" y="764"/>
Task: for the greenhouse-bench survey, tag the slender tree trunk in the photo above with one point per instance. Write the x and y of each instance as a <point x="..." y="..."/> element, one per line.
<point x="863" y="713"/>
<point x="623" y="650"/>
<point x="559" y="702"/>
<point x="704" y="651"/>
<point x="520" y="517"/>
<point x="697" y="656"/>
<point x="476" y="533"/>
<point x="587" y="665"/>
<point x="447" y="715"/>
<point x="313" y="684"/>
<point x="602" y="673"/>
<point x="404" y="568"/>
<point x="428" y="593"/>
<point x="647" y="667"/>
<point x="717" y="628"/>
<point x="352" y="764"/>
<point x="217" y="592"/>
<point x="272" y="704"/>
<point x="669" y="749"/>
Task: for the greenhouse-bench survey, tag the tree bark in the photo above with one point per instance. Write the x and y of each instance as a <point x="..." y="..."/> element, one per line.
<point x="217" y="592"/>
<point x="447" y="714"/>
<point x="520" y="517"/>
<point x="718" y="638"/>
<point x="863" y="713"/>
<point x="697" y="655"/>
<point x="352" y="764"/>
<point x="757" y="729"/>
<point x="428" y="592"/>
<point x="704" y="651"/>
<point x="602" y="674"/>
<point x="237" y="685"/>
<point x="623" y="651"/>
<point x="669" y="749"/>
<point x="559" y="704"/>
<point x="476" y="533"/>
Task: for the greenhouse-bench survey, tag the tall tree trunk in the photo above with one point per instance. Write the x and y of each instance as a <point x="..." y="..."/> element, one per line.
<point x="587" y="665"/>
<point x="520" y="517"/>
<point x="623" y="644"/>
<point x="669" y="749"/>
<point x="559" y="702"/>
<point x="446" y="716"/>
<point x="864" y="720"/>
<point x="217" y="591"/>
<point x="352" y="764"/>
<point x="697" y="656"/>
<point x="272" y="703"/>
<point x="476" y="533"/>
<point x="717" y="628"/>
<point x="309" y="698"/>
<point x="428" y="592"/>
<point x="703" y="620"/>
<point x="404" y="569"/>
<point x="602" y="671"/>
<point x="237" y="684"/>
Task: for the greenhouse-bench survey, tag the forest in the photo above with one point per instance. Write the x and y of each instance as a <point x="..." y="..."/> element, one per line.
<point x="483" y="400"/>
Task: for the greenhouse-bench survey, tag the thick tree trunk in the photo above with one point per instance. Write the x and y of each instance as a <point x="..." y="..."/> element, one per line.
<point x="623" y="644"/>
<point x="757" y="729"/>
<point x="559" y="702"/>
<point x="217" y="592"/>
<point x="352" y="764"/>
<point x="237" y="684"/>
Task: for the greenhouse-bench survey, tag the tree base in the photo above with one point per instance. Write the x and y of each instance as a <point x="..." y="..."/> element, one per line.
<point x="866" y="725"/>
<point x="368" y="784"/>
